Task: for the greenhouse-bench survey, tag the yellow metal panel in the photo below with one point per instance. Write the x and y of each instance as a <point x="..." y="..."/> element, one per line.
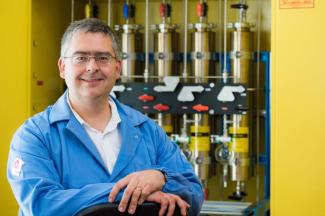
<point x="49" y="20"/>
<point x="15" y="70"/>
<point x="298" y="111"/>
<point x="29" y="80"/>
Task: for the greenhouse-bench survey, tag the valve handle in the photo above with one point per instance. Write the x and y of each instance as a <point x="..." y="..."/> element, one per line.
<point x="239" y="6"/>
<point x="162" y="10"/>
<point x="132" y="11"/>
<point x="168" y="10"/>
<point x="126" y="11"/>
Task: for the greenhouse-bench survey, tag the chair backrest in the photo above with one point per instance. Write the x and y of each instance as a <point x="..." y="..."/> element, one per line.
<point x="109" y="209"/>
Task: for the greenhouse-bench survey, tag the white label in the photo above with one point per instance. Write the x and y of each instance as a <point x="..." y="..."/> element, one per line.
<point x="16" y="167"/>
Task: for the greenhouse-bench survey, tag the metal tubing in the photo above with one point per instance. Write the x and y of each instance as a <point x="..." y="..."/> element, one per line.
<point x="146" y="69"/>
<point x="184" y="131"/>
<point x="224" y="72"/>
<point x="185" y="74"/>
<point x="109" y="12"/>
<point x="258" y="102"/>
<point x="72" y="10"/>
<point x="225" y="128"/>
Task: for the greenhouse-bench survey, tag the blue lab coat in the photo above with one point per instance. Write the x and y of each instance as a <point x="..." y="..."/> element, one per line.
<point x="55" y="169"/>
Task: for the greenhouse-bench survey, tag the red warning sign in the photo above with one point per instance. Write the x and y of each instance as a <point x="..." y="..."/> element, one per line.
<point x="290" y="4"/>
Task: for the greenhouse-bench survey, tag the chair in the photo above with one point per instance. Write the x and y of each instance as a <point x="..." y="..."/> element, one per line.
<point x="110" y="209"/>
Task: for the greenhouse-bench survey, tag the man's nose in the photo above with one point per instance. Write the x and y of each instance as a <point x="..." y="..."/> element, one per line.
<point x="92" y="65"/>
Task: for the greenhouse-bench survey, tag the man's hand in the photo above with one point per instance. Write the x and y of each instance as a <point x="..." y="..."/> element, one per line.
<point x="168" y="201"/>
<point x="139" y="185"/>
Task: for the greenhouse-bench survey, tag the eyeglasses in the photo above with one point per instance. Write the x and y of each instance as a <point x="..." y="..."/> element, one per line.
<point x="79" y="59"/>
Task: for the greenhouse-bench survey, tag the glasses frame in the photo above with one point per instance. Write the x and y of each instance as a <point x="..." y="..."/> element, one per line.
<point x="89" y="57"/>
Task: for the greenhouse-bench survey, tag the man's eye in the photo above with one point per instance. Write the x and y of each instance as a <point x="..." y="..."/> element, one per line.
<point x="80" y="58"/>
<point x="103" y="58"/>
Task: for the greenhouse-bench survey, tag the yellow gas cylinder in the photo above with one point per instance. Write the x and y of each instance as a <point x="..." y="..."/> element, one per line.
<point x="200" y="147"/>
<point x="200" y="138"/>
<point x="238" y="151"/>
<point x="168" y="129"/>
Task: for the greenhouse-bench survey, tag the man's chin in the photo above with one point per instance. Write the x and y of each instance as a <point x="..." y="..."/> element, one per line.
<point x="95" y="95"/>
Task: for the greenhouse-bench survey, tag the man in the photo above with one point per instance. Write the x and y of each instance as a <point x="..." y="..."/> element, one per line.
<point x="88" y="148"/>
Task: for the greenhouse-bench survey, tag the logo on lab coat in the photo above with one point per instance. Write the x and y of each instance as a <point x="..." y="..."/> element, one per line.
<point x="16" y="167"/>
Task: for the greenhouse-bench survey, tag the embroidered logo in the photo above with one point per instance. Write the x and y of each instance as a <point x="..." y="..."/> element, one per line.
<point x="16" y="167"/>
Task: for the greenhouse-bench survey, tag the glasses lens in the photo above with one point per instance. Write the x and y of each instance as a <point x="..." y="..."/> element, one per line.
<point x="103" y="59"/>
<point x="79" y="59"/>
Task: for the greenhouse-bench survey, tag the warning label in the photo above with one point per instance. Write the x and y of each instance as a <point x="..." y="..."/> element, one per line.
<point x="288" y="4"/>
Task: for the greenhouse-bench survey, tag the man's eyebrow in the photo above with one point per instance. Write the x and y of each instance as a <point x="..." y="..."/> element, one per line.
<point x="103" y="53"/>
<point x="80" y="53"/>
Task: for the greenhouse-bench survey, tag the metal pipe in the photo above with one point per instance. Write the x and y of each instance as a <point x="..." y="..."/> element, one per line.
<point x="109" y="12"/>
<point x="225" y="135"/>
<point x="185" y="74"/>
<point x="160" y="119"/>
<point x="225" y="128"/>
<point x="225" y="77"/>
<point x="219" y="45"/>
<point x="238" y="189"/>
<point x="259" y="6"/>
<point x="184" y="132"/>
<point x="72" y="10"/>
<point x="225" y="175"/>
<point x="146" y="69"/>
<point x="242" y="14"/>
<point x="225" y="73"/>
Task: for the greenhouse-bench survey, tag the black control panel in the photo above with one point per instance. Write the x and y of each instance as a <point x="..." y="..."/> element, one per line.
<point x="184" y="98"/>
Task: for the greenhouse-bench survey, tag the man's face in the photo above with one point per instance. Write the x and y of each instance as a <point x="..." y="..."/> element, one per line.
<point x="89" y="79"/>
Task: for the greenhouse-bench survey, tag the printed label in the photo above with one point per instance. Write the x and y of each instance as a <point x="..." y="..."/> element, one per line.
<point x="200" y="144"/>
<point x="239" y="145"/>
<point x="290" y="4"/>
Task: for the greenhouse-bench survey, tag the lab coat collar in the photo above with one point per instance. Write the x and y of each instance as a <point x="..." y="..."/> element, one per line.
<point x="131" y="137"/>
<point x="60" y="110"/>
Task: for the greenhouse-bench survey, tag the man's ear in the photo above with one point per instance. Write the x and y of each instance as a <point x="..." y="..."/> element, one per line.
<point x="61" y="65"/>
<point x="118" y="68"/>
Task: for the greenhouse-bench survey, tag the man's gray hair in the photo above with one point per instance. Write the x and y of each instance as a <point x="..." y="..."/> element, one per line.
<point x="92" y="26"/>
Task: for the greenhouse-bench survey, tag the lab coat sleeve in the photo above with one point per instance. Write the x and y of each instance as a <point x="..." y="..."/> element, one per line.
<point x="36" y="182"/>
<point x="180" y="177"/>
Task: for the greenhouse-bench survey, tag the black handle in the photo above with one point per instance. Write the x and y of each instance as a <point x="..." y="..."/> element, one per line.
<point x="239" y="6"/>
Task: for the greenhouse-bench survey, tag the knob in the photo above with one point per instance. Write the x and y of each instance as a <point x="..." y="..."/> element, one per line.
<point x="161" y="107"/>
<point x="200" y="108"/>
<point x="146" y="98"/>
